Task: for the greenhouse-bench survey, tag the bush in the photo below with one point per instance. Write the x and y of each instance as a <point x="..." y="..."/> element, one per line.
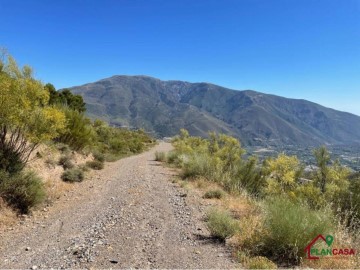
<point x="65" y="162"/>
<point x="10" y="160"/>
<point x="63" y="148"/>
<point x="172" y="156"/>
<point x="79" y="133"/>
<point x="95" y="165"/>
<point x="99" y="156"/>
<point x="291" y="226"/>
<point x="21" y="191"/>
<point x="73" y="175"/>
<point x="259" y="262"/>
<point x="214" y="194"/>
<point x="221" y="224"/>
<point x="160" y="156"/>
<point x="200" y="165"/>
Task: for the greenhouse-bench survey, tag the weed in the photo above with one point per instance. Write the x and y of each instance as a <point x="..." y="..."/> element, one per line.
<point x="214" y="194"/>
<point x="260" y="262"/>
<point x="221" y="224"/>
<point x="99" y="156"/>
<point x="286" y="221"/>
<point x="95" y="165"/>
<point x="65" y="162"/>
<point x="73" y="175"/>
<point x="160" y="156"/>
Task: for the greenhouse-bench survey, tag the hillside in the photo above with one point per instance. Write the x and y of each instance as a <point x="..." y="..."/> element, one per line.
<point x="163" y="107"/>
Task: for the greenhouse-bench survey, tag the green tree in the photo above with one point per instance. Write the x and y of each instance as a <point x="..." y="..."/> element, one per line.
<point x="74" y="102"/>
<point x="283" y="174"/>
<point x="26" y="119"/>
<point x="53" y="94"/>
<point x="322" y="157"/>
<point x="65" y="98"/>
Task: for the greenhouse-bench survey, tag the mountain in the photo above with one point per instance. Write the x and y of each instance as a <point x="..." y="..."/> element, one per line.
<point x="163" y="107"/>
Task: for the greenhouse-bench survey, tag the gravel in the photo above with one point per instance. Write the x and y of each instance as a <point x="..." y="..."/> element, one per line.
<point x="128" y="215"/>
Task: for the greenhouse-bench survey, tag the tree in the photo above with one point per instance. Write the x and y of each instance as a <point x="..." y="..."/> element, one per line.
<point x="283" y="174"/>
<point x="75" y="102"/>
<point x="26" y="119"/>
<point x="65" y="98"/>
<point x="53" y="94"/>
<point x="322" y="157"/>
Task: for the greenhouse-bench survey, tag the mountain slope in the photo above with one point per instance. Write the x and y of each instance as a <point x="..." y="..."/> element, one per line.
<point x="163" y="107"/>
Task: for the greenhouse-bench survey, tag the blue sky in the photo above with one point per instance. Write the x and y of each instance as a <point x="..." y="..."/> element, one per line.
<point x="294" y="48"/>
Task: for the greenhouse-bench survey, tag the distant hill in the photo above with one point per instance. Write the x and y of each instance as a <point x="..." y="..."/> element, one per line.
<point x="163" y="107"/>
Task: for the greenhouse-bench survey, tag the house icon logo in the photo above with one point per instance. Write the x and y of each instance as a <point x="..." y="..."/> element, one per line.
<point x="314" y="253"/>
<point x="309" y="248"/>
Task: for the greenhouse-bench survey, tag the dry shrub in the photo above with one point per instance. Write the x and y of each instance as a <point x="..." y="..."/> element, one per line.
<point x="55" y="189"/>
<point x="260" y="262"/>
<point x="8" y="217"/>
<point x="214" y="194"/>
<point x="252" y="230"/>
<point x="240" y="206"/>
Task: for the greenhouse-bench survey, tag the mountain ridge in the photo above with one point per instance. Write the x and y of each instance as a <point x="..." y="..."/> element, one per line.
<point x="163" y="107"/>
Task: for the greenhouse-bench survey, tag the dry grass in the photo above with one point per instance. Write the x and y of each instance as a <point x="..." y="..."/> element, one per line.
<point x="55" y="189"/>
<point x="7" y="216"/>
<point x="331" y="263"/>
<point x="240" y="205"/>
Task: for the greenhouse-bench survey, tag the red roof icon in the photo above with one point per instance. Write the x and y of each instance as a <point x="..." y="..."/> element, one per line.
<point x="308" y="247"/>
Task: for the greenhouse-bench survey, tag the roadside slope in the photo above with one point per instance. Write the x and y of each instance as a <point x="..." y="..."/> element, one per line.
<point x="128" y="215"/>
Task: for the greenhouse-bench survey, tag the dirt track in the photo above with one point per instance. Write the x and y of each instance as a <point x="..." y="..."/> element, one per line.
<point x="127" y="215"/>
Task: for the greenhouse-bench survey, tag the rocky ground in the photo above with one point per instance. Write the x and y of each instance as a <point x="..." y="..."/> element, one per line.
<point x="128" y="215"/>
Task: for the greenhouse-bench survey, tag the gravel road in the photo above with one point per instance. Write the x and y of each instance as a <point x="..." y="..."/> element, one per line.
<point x="129" y="215"/>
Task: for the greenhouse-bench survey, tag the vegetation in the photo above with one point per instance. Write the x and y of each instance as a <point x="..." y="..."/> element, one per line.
<point x="73" y="175"/>
<point x="22" y="190"/>
<point x="65" y="98"/>
<point x="79" y="132"/>
<point x="287" y="208"/>
<point x="65" y="162"/>
<point x="285" y="223"/>
<point x="95" y="164"/>
<point x="160" y="156"/>
<point x="260" y="262"/>
<point x="26" y="117"/>
<point x="31" y="114"/>
<point x="221" y="224"/>
<point x="214" y="194"/>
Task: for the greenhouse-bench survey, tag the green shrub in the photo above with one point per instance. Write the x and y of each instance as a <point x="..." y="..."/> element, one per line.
<point x="73" y="175"/>
<point x="50" y="162"/>
<point x="221" y="224"/>
<point x="10" y="160"/>
<point x="259" y="262"/>
<point x="172" y="156"/>
<point x="160" y="156"/>
<point x="95" y="165"/>
<point x="21" y="191"/>
<point x="291" y="226"/>
<point x="84" y="168"/>
<point x="200" y="165"/>
<point x="65" y="162"/>
<point x="79" y="133"/>
<point x="63" y="148"/>
<point x="214" y="194"/>
<point x="99" y="156"/>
